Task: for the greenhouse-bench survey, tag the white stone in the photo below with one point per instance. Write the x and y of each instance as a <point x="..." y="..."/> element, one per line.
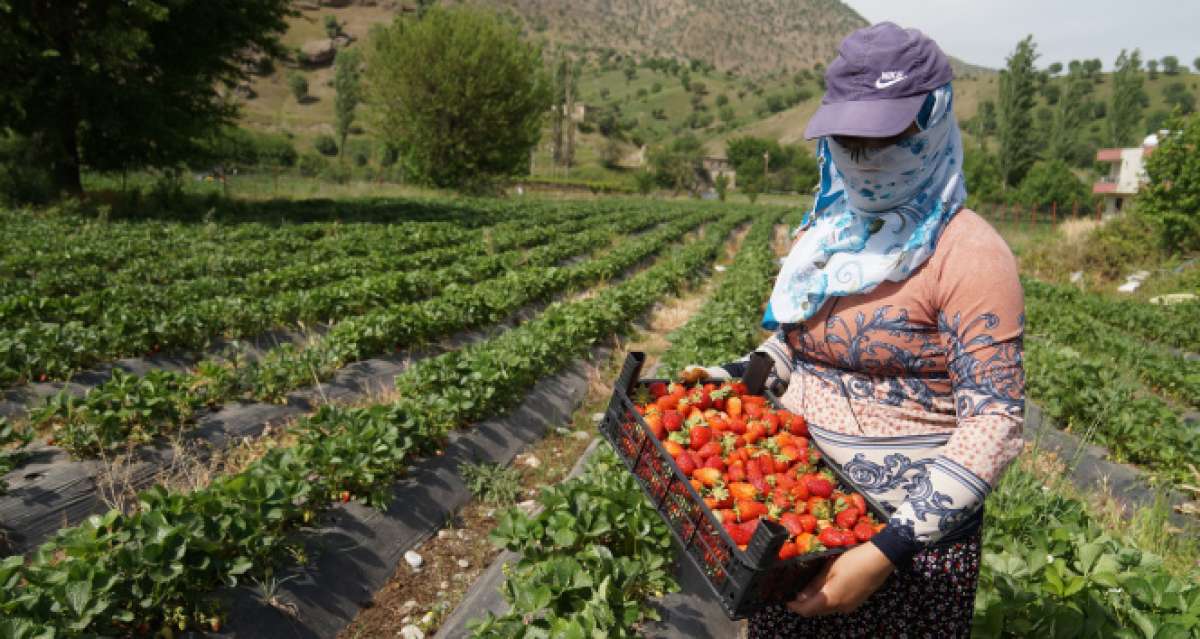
<point x="533" y="462"/>
<point x="445" y="534"/>
<point x="412" y="632"/>
<point x="528" y="506"/>
<point x="597" y="417"/>
<point x="445" y="585"/>
<point x="720" y="269"/>
<point x="463" y="534"/>
<point x="464" y="564"/>
<point x="414" y="560"/>
<point x="427" y="619"/>
<point x="1076" y="277"/>
<point x="409" y="607"/>
<point x="1129" y="287"/>
<point x="581" y="435"/>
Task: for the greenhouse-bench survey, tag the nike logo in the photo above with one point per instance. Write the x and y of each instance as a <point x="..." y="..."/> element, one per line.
<point x="888" y="78"/>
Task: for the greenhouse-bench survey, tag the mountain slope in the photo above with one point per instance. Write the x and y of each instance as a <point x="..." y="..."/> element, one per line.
<point x="746" y="36"/>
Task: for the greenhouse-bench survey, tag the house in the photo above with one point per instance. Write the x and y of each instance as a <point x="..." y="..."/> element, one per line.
<point x="1127" y="174"/>
<point x="715" y="166"/>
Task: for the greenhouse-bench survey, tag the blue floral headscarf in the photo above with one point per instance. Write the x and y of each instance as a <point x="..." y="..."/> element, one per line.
<point x="876" y="219"/>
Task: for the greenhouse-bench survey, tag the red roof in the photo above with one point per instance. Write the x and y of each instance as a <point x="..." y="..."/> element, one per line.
<point x="1104" y="187"/>
<point x="1108" y="155"/>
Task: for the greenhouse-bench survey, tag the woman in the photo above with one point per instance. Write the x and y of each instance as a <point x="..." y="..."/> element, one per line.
<point x="898" y="320"/>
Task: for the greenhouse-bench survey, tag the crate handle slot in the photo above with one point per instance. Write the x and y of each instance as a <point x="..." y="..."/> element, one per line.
<point x="765" y="544"/>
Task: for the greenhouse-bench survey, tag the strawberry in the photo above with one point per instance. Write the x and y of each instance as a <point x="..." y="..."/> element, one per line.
<point x="787" y="551"/>
<point x="726" y="516"/>
<point x="807" y="522"/>
<point x="772" y="422"/>
<point x="781" y="498"/>
<point x="819" y="486"/>
<point x="753" y="410"/>
<point x="742" y="490"/>
<point x="654" y="421"/>
<point x="754" y="432"/>
<point x="686" y="464"/>
<point x="666" y="403"/>
<point x="742" y="532"/>
<point x="858" y="502"/>
<point x="700" y="435"/>
<point x="672" y="420"/>
<point x="738" y="387"/>
<point x="658" y="389"/>
<point x="798" y="426"/>
<point x="792" y="522"/>
<point x="737" y="471"/>
<point x="673" y="448"/>
<point x="847" y="518"/>
<point x="830" y="538"/>
<point x="800" y="491"/>
<point x="737" y="425"/>
<point x="708" y="476"/>
<point x="715" y="462"/>
<point x="748" y="509"/>
<point x="785" y="481"/>
<point x="710" y="449"/>
<point x="733" y="406"/>
<point x="721" y="498"/>
<point x="806" y="543"/>
<point x="863" y="531"/>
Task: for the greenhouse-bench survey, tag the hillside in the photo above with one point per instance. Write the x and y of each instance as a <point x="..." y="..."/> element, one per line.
<point x="746" y="36"/>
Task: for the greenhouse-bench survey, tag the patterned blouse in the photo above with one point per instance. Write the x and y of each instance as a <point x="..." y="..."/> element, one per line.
<point x="917" y="389"/>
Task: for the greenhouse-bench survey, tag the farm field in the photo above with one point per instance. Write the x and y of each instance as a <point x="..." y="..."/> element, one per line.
<point x="460" y="309"/>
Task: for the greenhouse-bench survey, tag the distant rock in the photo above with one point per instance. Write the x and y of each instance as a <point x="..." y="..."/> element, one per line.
<point x="318" y="53"/>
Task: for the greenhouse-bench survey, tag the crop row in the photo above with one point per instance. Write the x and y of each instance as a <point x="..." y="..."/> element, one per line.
<point x="130" y="409"/>
<point x="297" y="265"/>
<point x="1165" y="371"/>
<point x="1050" y="570"/>
<point x="156" y="567"/>
<point x="1094" y="399"/>
<point x="147" y="320"/>
<point x="67" y="254"/>
<point x="1176" y="325"/>
<point x="597" y="551"/>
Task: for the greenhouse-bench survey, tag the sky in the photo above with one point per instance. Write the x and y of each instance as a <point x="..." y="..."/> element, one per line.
<point x="984" y="32"/>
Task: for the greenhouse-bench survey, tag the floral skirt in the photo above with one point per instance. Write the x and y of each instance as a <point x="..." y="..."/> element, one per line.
<point x="934" y="597"/>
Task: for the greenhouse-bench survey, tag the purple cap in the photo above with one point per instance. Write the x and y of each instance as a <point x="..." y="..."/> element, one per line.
<point x="878" y="82"/>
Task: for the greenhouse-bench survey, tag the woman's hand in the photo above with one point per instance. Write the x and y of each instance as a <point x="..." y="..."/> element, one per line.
<point x="693" y="374"/>
<point x="844" y="583"/>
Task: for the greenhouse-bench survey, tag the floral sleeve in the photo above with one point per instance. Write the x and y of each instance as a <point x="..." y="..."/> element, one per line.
<point x="981" y="326"/>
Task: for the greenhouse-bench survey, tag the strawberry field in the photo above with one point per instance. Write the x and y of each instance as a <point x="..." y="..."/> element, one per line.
<point x="118" y="336"/>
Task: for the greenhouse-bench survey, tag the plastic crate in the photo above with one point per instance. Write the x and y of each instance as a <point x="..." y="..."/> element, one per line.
<point x="743" y="581"/>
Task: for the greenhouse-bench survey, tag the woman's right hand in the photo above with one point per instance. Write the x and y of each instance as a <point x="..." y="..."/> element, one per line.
<point x="693" y="374"/>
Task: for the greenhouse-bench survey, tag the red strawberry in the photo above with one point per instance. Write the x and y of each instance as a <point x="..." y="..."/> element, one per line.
<point x="738" y="387"/>
<point x="700" y="435"/>
<point x="748" y="509"/>
<point x="847" y="518"/>
<point x="798" y="426"/>
<point x="863" y="531"/>
<point x="819" y="486"/>
<point x="800" y="491"/>
<point x="806" y="542"/>
<point x="742" y="490"/>
<point x="742" y="532"/>
<point x="819" y="507"/>
<point x="715" y="462"/>
<point x="859" y="502"/>
<point x="781" y="498"/>
<point x="658" y="389"/>
<point x="830" y="538"/>
<point x="686" y="464"/>
<point x="672" y="420"/>
<point x="792" y="522"/>
<point x="726" y="516"/>
<point x="737" y="472"/>
<point x="712" y="448"/>
<point x="737" y="425"/>
<point x="807" y="522"/>
<point x="787" y="551"/>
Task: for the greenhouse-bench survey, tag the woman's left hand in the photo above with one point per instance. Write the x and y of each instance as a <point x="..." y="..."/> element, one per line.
<point x="844" y="583"/>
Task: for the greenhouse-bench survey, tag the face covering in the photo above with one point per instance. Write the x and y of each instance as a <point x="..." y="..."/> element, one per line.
<point x="874" y="220"/>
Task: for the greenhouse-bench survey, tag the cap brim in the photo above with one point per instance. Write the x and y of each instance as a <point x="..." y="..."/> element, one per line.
<point x="864" y="118"/>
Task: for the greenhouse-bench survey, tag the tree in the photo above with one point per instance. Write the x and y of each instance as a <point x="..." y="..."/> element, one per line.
<point x="459" y="94"/>
<point x="1049" y="182"/>
<point x="1172" y="198"/>
<point x="1128" y="99"/>
<point x="984" y="122"/>
<point x="679" y="164"/>
<point x="1055" y="68"/>
<point x="1177" y="96"/>
<point x="326" y="145"/>
<point x="1152" y="68"/>
<point x="298" y="84"/>
<point x="347" y="84"/>
<point x="982" y="172"/>
<point x="1014" y="121"/>
<point x="126" y="85"/>
<point x="721" y="185"/>
<point x="1070" y="114"/>
<point x="1170" y="65"/>
<point x="1051" y="93"/>
<point x="1196" y="64"/>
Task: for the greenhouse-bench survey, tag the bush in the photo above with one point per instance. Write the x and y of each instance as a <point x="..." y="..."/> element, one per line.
<point x="326" y="145"/>
<point x="644" y="181"/>
<point x="23" y="176"/>
<point x="311" y="164"/>
<point x="245" y="148"/>
<point x="298" y="85"/>
<point x="982" y="172"/>
<point x="1049" y="182"/>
